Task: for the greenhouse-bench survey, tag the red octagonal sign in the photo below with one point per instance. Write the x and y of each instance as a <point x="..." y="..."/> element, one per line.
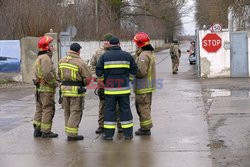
<point x="211" y="42"/>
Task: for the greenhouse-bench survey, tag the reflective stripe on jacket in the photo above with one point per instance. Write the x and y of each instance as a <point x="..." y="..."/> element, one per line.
<point x="45" y="73"/>
<point x="115" y="66"/>
<point x="146" y="76"/>
<point x="73" y="68"/>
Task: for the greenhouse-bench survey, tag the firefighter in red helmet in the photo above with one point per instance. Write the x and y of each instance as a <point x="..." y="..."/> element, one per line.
<point x="144" y="83"/>
<point x="46" y="83"/>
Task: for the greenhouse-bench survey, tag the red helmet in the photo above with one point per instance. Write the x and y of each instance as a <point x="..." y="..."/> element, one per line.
<point x="43" y="43"/>
<point x="141" y="39"/>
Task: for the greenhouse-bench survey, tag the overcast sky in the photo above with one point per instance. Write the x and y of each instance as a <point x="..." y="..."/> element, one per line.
<point x="189" y="21"/>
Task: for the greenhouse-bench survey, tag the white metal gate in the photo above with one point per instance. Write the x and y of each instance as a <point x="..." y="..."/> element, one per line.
<point x="239" y="54"/>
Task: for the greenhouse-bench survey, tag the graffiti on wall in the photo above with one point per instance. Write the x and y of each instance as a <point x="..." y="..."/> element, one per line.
<point x="10" y="56"/>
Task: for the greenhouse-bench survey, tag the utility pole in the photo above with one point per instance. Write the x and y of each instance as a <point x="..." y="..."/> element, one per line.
<point x="145" y="18"/>
<point x="96" y="16"/>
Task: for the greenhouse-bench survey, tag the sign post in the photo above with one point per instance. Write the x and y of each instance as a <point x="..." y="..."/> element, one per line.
<point x="211" y="42"/>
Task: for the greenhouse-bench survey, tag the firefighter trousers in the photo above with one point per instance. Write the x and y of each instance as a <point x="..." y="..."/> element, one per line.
<point x="45" y="111"/>
<point x="143" y="107"/>
<point x="126" y="118"/>
<point x="102" y="110"/>
<point x="73" y="107"/>
<point x="101" y="114"/>
<point x="175" y="63"/>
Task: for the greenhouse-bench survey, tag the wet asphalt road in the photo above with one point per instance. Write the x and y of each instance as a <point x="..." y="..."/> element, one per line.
<point x="180" y="135"/>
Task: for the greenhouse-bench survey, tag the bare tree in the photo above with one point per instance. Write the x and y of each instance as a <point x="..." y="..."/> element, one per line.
<point x="209" y="12"/>
<point x="28" y="18"/>
<point x="159" y="18"/>
<point x="240" y="12"/>
<point x="165" y="14"/>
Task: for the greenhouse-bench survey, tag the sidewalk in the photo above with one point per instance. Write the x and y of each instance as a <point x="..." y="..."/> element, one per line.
<point x="228" y="113"/>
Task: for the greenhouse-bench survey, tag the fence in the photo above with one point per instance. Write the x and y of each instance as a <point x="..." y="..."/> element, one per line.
<point x="89" y="48"/>
<point x="16" y="56"/>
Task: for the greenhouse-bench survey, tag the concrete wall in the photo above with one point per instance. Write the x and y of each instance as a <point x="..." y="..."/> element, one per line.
<point x="90" y="47"/>
<point x="216" y="64"/>
<point x="29" y="52"/>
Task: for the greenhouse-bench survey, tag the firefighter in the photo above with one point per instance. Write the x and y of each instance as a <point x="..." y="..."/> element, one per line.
<point x="74" y="75"/>
<point x="175" y="53"/>
<point x="144" y="83"/>
<point x="46" y="83"/>
<point x="115" y="66"/>
<point x="100" y="91"/>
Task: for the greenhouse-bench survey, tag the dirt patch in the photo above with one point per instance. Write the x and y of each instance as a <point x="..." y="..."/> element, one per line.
<point x="216" y="144"/>
<point x="11" y="84"/>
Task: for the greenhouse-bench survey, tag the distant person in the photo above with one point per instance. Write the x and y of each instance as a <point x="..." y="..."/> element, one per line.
<point x="144" y="83"/>
<point x="192" y="48"/>
<point x="175" y="53"/>
<point x="114" y="67"/>
<point x="74" y="75"/>
<point x="100" y="91"/>
<point x="46" y="84"/>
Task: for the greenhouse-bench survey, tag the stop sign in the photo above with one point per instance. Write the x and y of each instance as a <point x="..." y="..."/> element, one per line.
<point x="211" y="42"/>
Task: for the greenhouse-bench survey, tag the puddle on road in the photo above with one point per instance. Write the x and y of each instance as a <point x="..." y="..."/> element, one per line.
<point x="220" y="92"/>
<point x="226" y="93"/>
<point x="208" y="95"/>
<point x="188" y="140"/>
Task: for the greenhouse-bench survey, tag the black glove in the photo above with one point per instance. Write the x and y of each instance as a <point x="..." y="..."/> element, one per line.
<point x="100" y="93"/>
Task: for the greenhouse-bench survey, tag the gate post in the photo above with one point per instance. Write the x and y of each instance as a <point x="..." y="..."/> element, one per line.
<point x="55" y="57"/>
<point x="29" y="52"/>
<point x="197" y="53"/>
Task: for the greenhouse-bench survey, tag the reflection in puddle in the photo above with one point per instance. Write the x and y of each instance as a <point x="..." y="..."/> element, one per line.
<point x="227" y="93"/>
<point x="209" y="95"/>
<point x="220" y="92"/>
<point x="189" y="140"/>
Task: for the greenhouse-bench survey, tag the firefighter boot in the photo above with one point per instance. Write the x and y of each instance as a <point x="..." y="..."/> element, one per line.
<point x="143" y="132"/>
<point x="128" y="137"/>
<point x="99" y="130"/>
<point x="119" y="127"/>
<point x="175" y="72"/>
<point x="104" y="137"/>
<point x="108" y="134"/>
<point x="49" y="135"/>
<point x="75" y="138"/>
<point x="120" y="130"/>
<point x="37" y="132"/>
<point x="128" y="133"/>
